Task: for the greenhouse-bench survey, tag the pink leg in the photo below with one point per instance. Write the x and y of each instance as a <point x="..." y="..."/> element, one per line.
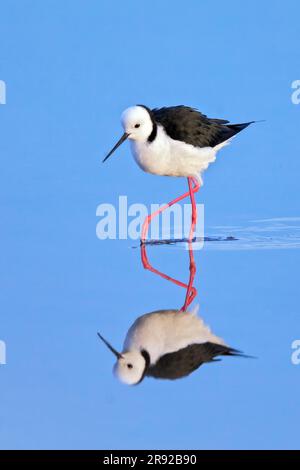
<point x="190" y="193"/>
<point x="191" y="291"/>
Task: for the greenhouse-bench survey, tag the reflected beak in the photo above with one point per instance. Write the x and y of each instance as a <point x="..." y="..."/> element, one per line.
<point x="113" y="350"/>
<point x="123" y="138"/>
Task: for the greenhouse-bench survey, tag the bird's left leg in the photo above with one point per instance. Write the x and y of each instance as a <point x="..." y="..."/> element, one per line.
<point x="191" y="290"/>
<point x="149" y="218"/>
<point x="193" y="189"/>
<point x="190" y="192"/>
<point x="149" y="267"/>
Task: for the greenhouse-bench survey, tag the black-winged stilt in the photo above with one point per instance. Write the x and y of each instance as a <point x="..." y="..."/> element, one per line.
<point x="167" y="344"/>
<point x="175" y="141"/>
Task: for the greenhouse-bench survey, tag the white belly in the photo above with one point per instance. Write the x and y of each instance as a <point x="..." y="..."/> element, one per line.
<point x="168" y="157"/>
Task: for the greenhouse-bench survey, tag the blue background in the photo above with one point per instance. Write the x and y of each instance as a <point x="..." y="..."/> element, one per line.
<point x="71" y="68"/>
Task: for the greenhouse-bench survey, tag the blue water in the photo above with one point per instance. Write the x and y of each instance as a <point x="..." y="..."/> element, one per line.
<point x="70" y="69"/>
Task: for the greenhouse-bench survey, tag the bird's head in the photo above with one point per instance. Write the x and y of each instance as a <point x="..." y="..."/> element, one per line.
<point x="137" y="124"/>
<point x="130" y="367"/>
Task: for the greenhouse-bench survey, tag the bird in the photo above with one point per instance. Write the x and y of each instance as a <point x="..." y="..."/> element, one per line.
<point x="176" y="141"/>
<point x="167" y="344"/>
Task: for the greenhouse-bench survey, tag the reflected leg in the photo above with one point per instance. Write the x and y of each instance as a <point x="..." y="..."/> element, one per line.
<point x="191" y="290"/>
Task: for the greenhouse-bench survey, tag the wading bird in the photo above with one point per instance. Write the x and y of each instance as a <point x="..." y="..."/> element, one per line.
<point x="175" y="141"/>
<point x="167" y="344"/>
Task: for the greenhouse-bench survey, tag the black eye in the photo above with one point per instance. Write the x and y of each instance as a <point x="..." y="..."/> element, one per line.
<point x="130" y="366"/>
<point x="137" y="125"/>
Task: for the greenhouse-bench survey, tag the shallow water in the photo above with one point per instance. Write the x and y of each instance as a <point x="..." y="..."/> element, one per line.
<point x="249" y="297"/>
<point x="60" y="284"/>
<point x="244" y="295"/>
<point x="275" y="233"/>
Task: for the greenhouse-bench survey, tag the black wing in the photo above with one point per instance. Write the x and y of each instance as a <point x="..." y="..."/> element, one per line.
<point x="190" y="126"/>
<point x="181" y="363"/>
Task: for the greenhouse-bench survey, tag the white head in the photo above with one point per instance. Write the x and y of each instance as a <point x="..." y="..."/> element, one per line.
<point x="130" y="366"/>
<point x="137" y="124"/>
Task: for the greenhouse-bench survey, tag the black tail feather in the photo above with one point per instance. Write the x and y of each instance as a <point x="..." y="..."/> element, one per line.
<point x="236" y="128"/>
<point x="222" y="350"/>
<point x="230" y="130"/>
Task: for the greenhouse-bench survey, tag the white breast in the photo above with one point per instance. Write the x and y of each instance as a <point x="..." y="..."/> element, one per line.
<point x="167" y="331"/>
<point x="153" y="157"/>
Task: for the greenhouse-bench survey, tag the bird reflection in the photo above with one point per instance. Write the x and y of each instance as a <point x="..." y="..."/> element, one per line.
<point x="168" y="344"/>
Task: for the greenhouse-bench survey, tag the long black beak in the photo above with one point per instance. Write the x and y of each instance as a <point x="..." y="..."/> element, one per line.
<point x="123" y="138"/>
<point x="113" y="350"/>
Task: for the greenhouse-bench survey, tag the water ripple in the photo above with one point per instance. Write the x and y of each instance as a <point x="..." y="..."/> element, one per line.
<point x="268" y="233"/>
